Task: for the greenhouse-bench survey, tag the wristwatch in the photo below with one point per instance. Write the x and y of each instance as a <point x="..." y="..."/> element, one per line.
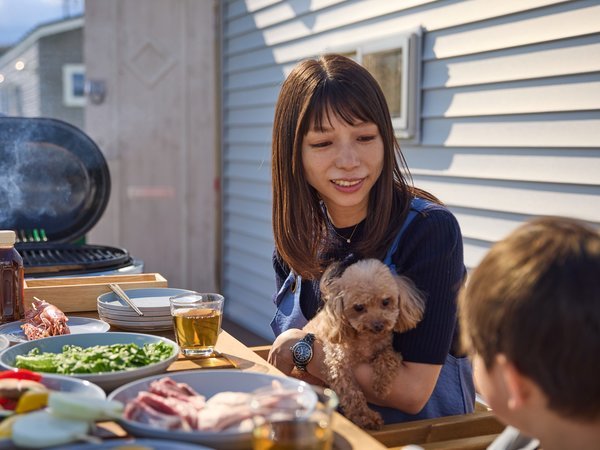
<point x="302" y="351"/>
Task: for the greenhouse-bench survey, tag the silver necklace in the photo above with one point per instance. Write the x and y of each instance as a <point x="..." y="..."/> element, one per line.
<point x="347" y="239"/>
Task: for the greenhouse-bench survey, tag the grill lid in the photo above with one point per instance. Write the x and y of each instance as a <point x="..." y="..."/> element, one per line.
<point x="53" y="178"/>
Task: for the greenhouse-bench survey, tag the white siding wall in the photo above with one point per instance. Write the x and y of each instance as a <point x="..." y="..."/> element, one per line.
<point x="510" y="115"/>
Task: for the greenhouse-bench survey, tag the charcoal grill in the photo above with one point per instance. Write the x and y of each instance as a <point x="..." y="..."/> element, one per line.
<point x="54" y="187"/>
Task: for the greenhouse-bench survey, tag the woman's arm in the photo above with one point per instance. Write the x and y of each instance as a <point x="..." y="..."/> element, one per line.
<point x="411" y="388"/>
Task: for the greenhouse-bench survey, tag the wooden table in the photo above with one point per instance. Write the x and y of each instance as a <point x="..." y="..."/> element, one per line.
<point x="347" y="435"/>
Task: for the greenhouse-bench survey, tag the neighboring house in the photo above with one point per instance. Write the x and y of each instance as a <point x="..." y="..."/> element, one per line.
<point x="499" y="110"/>
<point x="42" y="75"/>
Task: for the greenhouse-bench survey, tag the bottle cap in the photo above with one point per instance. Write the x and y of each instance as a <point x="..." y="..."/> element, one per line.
<point x="7" y="237"/>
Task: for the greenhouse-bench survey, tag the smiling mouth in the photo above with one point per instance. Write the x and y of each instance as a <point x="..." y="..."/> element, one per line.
<point x="346" y="183"/>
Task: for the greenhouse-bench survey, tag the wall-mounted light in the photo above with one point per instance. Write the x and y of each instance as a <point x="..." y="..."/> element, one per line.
<point x="19" y="65"/>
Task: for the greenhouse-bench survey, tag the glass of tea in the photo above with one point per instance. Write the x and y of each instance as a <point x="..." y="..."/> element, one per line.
<point x="197" y="322"/>
<point x="300" y="420"/>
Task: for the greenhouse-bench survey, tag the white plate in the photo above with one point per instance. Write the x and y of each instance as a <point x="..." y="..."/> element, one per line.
<point x="130" y="313"/>
<point x="141" y="323"/>
<point x="107" y="380"/>
<point x="141" y="328"/>
<point x="150" y="299"/>
<point x="154" y="444"/>
<point x="207" y="383"/>
<point x="77" y="325"/>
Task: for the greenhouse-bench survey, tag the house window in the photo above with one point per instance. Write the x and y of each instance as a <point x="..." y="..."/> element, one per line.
<point x="395" y="62"/>
<point x="73" y="85"/>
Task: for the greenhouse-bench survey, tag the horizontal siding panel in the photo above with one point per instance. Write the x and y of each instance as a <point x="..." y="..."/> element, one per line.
<point x="245" y="226"/>
<point x="566" y="21"/>
<point x="474" y="252"/>
<point x="287" y="48"/>
<point x="251" y="97"/>
<point x="389" y="15"/>
<point x="251" y="311"/>
<point x="234" y="205"/>
<point x="257" y="154"/>
<point x="247" y="249"/>
<point x="561" y="165"/>
<point x="535" y="130"/>
<point x="574" y="56"/>
<point x="485" y="225"/>
<point x="253" y="135"/>
<point x="256" y="266"/>
<point x="582" y="202"/>
<point x="578" y="93"/>
<point x="255" y="115"/>
<point x="260" y="277"/>
<point x="263" y="76"/>
<point x="249" y="172"/>
<point x="247" y="190"/>
<point x="239" y="8"/>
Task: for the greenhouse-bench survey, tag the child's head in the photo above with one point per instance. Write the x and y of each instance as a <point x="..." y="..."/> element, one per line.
<point x="533" y="303"/>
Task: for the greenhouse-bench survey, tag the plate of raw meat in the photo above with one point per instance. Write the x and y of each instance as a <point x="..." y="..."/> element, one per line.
<point x="44" y="320"/>
<point x="211" y="408"/>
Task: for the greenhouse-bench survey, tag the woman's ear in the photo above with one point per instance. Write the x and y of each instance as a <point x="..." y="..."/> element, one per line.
<point x="411" y="305"/>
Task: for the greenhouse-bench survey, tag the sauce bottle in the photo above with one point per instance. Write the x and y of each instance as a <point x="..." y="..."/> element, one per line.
<point x="11" y="279"/>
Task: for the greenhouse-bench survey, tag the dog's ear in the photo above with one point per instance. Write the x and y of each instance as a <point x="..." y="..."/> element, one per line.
<point x="329" y="285"/>
<point x="335" y="327"/>
<point x="411" y="305"/>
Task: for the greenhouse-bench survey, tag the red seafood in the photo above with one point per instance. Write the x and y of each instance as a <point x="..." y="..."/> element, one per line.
<point x="44" y="320"/>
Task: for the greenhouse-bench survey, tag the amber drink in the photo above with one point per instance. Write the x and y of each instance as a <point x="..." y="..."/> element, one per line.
<point x="300" y="422"/>
<point x="197" y="322"/>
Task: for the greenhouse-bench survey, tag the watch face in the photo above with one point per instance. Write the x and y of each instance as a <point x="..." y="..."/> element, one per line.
<point x="302" y="352"/>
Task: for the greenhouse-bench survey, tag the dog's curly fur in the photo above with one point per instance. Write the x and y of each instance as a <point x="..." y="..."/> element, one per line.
<point x="364" y="305"/>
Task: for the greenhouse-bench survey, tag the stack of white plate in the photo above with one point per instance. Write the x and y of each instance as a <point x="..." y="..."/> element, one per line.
<point x="153" y="302"/>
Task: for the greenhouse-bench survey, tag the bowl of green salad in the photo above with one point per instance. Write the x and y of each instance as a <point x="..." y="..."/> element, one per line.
<point x="109" y="360"/>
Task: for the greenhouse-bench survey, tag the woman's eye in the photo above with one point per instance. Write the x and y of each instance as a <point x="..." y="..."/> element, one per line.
<point x="320" y="144"/>
<point x="366" y="138"/>
<point x="359" y="308"/>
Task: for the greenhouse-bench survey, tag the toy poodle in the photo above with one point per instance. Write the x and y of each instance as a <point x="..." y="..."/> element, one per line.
<point x="364" y="304"/>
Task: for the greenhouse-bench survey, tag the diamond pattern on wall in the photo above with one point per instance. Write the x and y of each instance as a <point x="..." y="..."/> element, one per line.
<point x="149" y="63"/>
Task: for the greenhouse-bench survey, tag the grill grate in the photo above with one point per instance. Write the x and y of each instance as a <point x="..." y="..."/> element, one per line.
<point x="49" y="258"/>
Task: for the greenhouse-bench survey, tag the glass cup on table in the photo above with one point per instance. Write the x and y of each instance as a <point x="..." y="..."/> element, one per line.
<point x="299" y="420"/>
<point x="197" y="322"/>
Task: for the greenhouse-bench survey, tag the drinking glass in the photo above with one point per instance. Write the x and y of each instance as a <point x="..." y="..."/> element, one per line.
<point x="300" y="422"/>
<point x="197" y="322"/>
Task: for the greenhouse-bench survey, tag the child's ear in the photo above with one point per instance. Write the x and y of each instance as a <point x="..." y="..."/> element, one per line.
<point x="518" y="386"/>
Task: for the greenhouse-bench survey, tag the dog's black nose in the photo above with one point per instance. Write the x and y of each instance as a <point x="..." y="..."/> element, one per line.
<point x="377" y="326"/>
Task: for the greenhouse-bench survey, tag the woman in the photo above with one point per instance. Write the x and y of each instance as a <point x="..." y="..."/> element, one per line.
<point x="338" y="191"/>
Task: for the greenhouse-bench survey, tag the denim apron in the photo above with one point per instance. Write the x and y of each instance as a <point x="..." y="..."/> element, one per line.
<point x="454" y="392"/>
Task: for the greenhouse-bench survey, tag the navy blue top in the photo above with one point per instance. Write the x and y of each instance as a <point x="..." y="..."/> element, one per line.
<point x="430" y="253"/>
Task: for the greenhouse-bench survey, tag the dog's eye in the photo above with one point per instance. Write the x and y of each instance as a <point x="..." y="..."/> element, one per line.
<point x="385" y="301"/>
<point x="359" y="308"/>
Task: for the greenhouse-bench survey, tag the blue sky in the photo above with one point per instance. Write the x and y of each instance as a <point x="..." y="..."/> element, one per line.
<point x="17" y="17"/>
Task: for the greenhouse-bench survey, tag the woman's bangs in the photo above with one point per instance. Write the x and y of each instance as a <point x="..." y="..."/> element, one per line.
<point x="334" y="99"/>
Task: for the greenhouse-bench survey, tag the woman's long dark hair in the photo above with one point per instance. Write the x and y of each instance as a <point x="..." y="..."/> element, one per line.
<point x="315" y="89"/>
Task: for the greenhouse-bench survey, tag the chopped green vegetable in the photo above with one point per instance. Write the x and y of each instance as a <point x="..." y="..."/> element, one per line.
<point x="97" y="359"/>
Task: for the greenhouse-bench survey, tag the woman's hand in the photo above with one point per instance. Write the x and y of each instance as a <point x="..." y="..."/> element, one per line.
<point x="280" y="355"/>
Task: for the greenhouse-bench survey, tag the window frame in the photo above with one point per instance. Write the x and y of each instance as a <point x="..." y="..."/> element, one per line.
<point x="407" y="125"/>
<point x="69" y="98"/>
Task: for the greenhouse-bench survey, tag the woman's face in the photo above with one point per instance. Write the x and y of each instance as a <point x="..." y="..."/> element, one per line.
<point x="343" y="162"/>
